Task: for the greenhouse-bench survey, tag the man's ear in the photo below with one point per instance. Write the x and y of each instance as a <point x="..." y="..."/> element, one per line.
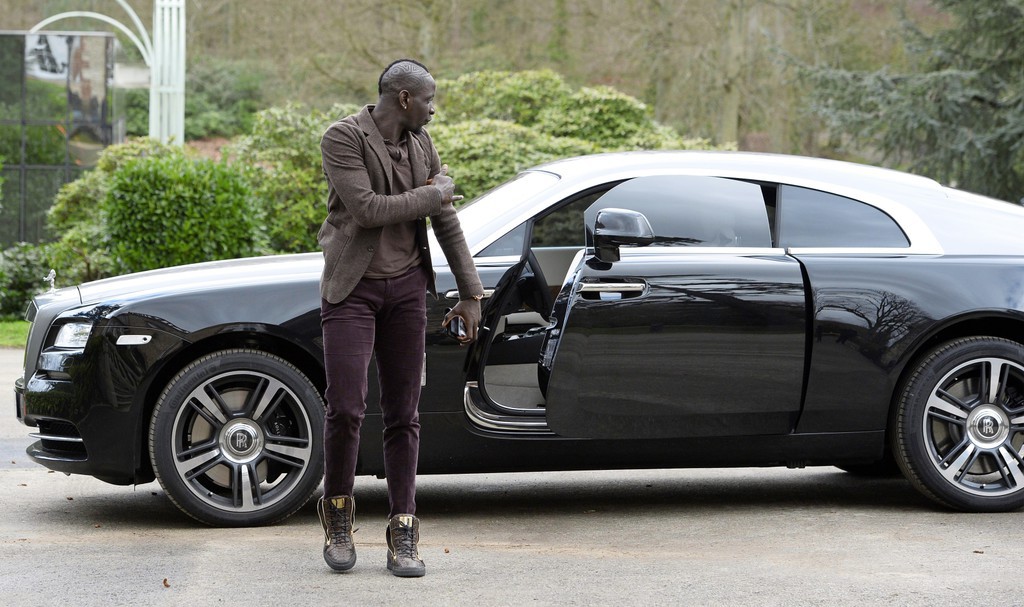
<point x="403" y="99"/>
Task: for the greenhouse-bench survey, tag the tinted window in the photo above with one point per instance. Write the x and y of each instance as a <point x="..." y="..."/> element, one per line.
<point x="816" y="219"/>
<point x="694" y="211"/>
<point x="509" y="244"/>
<point x="564" y="226"/>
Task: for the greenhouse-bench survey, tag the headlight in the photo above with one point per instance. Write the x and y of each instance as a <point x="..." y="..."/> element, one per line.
<point x="73" y="335"/>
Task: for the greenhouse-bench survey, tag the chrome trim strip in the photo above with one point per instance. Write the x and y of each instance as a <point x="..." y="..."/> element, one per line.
<point x="454" y="293"/>
<point x="611" y="287"/>
<point x="66" y="439"/>
<point x="502" y="423"/>
<point x="734" y="251"/>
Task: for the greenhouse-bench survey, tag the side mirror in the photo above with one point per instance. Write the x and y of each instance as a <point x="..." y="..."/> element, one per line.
<point x="617" y="227"/>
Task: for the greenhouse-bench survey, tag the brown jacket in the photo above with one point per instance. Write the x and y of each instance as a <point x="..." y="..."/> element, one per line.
<point x="360" y="202"/>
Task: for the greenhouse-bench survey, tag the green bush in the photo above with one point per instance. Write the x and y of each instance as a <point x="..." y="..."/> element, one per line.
<point x="517" y="97"/>
<point x="22" y="270"/>
<point x="136" y="112"/>
<point x="168" y="210"/>
<point x="483" y="153"/>
<point x="77" y="213"/>
<point x="221" y="98"/>
<point x="80" y="253"/>
<point x="283" y="151"/>
<point x="606" y="117"/>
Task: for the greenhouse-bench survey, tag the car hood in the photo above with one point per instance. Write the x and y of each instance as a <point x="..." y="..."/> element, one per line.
<point x="201" y="276"/>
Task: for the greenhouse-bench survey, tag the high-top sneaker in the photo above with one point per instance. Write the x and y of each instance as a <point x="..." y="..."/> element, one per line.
<point x="403" y="533"/>
<point x="337" y="514"/>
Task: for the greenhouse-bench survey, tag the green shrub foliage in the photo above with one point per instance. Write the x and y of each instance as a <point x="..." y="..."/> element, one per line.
<point x="283" y="153"/>
<point x="517" y="97"/>
<point x="81" y="253"/>
<point x="221" y="98"/>
<point x="169" y="210"/>
<point x="483" y="153"/>
<point x="22" y="270"/>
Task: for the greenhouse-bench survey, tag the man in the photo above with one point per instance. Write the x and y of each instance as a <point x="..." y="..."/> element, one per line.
<point x="384" y="178"/>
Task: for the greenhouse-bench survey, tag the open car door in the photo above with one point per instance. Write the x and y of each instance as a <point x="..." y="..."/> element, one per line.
<point x="680" y="319"/>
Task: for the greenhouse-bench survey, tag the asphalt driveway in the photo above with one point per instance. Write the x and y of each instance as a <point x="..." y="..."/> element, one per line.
<point x="681" y="537"/>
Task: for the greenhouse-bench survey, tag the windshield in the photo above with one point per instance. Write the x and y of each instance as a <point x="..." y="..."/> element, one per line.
<point x="489" y="213"/>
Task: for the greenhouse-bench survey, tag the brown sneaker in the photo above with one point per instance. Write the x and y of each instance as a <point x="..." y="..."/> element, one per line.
<point x="337" y="514"/>
<point x="403" y="533"/>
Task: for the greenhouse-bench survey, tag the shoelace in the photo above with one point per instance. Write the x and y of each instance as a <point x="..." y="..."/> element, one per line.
<point x="337" y="524"/>
<point x="405" y="542"/>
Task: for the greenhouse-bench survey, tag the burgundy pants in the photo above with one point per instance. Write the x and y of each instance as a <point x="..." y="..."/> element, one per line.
<point x="387" y="318"/>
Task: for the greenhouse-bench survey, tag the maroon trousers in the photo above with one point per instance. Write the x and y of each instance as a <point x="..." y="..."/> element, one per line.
<point x="387" y="318"/>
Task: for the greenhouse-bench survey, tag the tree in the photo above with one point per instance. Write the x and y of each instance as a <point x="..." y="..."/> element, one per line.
<point x="959" y="116"/>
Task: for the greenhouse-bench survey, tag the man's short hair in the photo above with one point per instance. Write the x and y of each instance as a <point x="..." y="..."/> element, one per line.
<point x="403" y="74"/>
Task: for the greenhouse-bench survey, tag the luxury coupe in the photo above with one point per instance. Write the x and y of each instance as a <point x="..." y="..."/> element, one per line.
<point x="644" y="309"/>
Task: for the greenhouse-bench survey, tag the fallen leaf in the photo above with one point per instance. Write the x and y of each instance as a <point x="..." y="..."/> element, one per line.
<point x="446" y="551"/>
<point x="22" y="485"/>
<point x="71" y="499"/>
<point x="979" y="552"/>
<point x="166" y="583"/>
<point x="97" y="526"/>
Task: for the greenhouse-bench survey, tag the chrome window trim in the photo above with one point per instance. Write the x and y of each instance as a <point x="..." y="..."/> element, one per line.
<point x="862" y="251"/>
<point x="639" y="252"/>
<point x="498" y="260"/>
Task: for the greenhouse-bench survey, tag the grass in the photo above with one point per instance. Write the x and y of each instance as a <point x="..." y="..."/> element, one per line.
<point x="13" y="333"/>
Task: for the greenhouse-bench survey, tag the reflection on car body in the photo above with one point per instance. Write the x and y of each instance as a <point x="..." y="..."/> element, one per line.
<point x="674" y="309"/>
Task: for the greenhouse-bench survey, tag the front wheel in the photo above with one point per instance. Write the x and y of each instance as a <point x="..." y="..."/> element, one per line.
<point x="959" y="425"/>
<point x="236" y="438"/>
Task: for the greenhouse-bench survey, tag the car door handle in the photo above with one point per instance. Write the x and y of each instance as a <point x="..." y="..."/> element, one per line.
<point x="612" y="287"/>
<point x="454" y="294"/>
<point x="611" y="290"/>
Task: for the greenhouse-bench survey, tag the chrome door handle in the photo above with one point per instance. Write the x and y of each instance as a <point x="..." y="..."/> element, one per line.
<point x="454" y="293"/>
<point x="612" y="287"/>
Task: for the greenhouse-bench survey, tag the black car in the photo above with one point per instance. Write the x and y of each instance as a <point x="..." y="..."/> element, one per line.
<point x="646" y="309"/>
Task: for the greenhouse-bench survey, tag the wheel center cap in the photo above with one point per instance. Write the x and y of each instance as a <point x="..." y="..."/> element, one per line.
<point x="988" y="426"/>
<point x="241" y="441"/>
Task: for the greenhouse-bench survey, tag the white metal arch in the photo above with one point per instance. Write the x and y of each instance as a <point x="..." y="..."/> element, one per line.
<point x="165" y="56"/>
<point x="146" y="49"/>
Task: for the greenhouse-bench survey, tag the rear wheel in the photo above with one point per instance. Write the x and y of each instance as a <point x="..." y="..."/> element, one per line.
<point x="959" y="426"/>
<point x="236" y="438"/>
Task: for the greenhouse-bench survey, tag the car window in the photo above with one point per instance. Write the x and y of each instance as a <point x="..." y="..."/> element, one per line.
<point x="564" y="226"/>
<point x="485" y="215"/>
<point x="686" y="210"/>
<point x="509" y="244"/>
<point x="811" y="218"/>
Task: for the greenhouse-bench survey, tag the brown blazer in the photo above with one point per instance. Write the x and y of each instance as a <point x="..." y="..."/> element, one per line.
<point x="360" y="202"/>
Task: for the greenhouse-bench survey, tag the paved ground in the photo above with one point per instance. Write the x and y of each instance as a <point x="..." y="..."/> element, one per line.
<point x="679" y="537"/>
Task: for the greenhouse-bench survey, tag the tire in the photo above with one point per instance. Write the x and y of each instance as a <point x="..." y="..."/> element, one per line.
<point x="236" y="439"/>
<point x="959" y="425"/>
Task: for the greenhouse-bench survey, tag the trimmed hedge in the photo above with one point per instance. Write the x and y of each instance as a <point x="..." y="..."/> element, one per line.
<point x="169" y="210"/>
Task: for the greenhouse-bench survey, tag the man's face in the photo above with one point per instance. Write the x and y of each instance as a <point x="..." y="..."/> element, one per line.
<point x="421" y="106"/>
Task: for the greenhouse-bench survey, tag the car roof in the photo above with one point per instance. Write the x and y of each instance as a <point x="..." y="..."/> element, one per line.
<point x="959" y="222"/>
<point x="772" y="167"/>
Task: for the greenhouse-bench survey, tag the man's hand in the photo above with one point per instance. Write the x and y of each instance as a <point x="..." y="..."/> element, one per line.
<point x="469" y="311"/>
<point x="445" y="184"/>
